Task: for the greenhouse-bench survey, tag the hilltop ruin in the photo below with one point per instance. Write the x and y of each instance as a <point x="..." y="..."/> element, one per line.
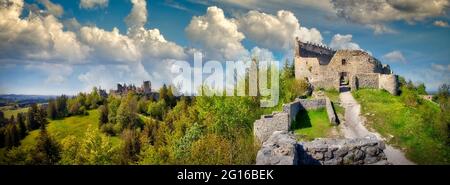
<point x="325" y="68"/>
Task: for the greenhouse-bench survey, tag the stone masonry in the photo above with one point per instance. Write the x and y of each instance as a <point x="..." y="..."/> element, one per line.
<point x="283" y="149"/>
<point x="325" y="68"/>
<point x="281" y="121"/>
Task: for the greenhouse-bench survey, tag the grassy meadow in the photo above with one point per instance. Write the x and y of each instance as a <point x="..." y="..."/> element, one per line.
<point x="71" y="126"/>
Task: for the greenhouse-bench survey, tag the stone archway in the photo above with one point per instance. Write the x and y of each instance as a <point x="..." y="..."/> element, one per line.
<point x="343" y="79"/>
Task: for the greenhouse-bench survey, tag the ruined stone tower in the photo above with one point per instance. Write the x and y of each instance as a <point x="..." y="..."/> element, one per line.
<point x="326" y="68"/>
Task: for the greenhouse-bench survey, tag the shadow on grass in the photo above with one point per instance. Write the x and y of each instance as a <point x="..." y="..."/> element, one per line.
<point x="302" y="120"/>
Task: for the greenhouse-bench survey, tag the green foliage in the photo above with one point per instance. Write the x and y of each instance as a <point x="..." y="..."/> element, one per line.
<point x="94" y="149"/>
<point x="21" y="125"/>
<point x="113" y="106"/>
<point x="77" y="105"/>
<point x="47" y="150"/>
<point x="131" y="146"/>
<point x="51" y="110"/>
<point x="127" y="113"/>
<point x="103" y="118"/>
<point x="183" y="145"/>
<point x="218" y="148"/>
<point x="32" y="117"/>
<point x="157" y="109"/>
<point x="12" y="135"/>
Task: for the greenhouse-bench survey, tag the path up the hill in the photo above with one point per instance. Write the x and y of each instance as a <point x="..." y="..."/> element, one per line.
<point x="353" y="127"/>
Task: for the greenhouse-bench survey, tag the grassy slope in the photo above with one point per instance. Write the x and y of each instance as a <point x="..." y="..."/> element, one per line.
<point x="75" y="125"/>
<point x="407" y="124"/>
<point x="9" y="113"/>
<point x="312" y="124"/>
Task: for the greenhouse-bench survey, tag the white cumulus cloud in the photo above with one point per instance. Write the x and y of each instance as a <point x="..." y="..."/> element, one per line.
<point x="217" y="35"/>
<point x="343" y="42"/>
<point x="36" y="37"/>
<point x="276" y="31"/>
<point x="91" y="4"/>
<point x="440" y="23"/>
<point x="394" y="56"/>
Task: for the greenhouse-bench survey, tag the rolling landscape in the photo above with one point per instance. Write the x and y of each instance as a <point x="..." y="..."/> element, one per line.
<point x="141" y="82"/>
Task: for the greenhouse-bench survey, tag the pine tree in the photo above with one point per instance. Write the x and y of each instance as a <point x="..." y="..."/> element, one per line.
<point x="32" y="123"/>
<point x="12" y="136"/>
<point x="61" y="106"/>
<point x="163" y="92"/>
<point x="103" y="114"/>
<point x="131" y="146"/>
<point x="47" y="150"/>
<point x="51" y="110"/>
<point x="21" y="125"/>
<point x="2" y="119"/>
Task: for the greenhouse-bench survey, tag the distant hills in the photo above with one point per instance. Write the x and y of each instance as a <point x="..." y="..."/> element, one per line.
<point x="23" y="100"/>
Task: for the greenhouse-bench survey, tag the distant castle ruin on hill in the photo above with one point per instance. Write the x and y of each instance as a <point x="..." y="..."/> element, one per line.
<point x="326" y="68"/>
<point x="145" y="89"/>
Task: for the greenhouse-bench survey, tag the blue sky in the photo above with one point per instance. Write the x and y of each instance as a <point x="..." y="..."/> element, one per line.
<point x="37" y="58"/>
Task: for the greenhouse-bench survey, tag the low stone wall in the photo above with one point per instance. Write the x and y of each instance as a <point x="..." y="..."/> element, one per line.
<point x="281" y="121"/>
<point x="264" y="127"/>
<point x="330" y="112"/>
<point x="282" y="149"/>
<point x="357" y="151"/>
<point x="279" y="149"/>
<point x="302" y="104"/>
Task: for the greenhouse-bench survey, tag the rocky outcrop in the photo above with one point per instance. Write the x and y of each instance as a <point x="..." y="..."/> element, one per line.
<point x="279" y="149"/>
<point x="282" y="149"/>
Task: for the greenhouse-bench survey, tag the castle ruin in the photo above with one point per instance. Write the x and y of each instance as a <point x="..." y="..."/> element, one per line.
<point x="145" y="89"/>
<point x="325" y="68"/>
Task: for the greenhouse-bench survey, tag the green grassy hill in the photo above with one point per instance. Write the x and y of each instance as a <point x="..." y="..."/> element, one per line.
<point x="74" y="125"/>
<point x="416" y="129"/>
<point x="8" y="113"/>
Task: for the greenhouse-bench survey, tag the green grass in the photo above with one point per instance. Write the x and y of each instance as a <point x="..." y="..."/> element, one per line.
<point x="416" y="130"/>
<point x="14" y="112"/>
<point x="312" y="124"/>
<point x="74" y="125"/>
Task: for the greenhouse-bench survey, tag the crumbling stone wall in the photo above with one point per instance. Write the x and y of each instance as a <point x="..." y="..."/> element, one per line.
<point x="264" y="127"/>
<point x="389" y="82"/>
<point x="283" y="149"/>
<point x="281" y="121"/>
<point x="357" y="151"/>
<point x="322" y="71"/>
<point x="279" y="149"/>
<point x="366" y="80"/>
<point x="302" y="104"/>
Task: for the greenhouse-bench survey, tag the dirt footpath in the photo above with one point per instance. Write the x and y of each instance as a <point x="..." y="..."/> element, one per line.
<point x="353" y="127"/>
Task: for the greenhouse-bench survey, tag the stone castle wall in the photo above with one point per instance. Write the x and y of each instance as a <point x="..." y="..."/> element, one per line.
<point x="283" y="149"/>
<point x="365" y="80"/>
<point x="322" y="71"/>
<point x="389" y="82"/>
<point x="281" y="121"/>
